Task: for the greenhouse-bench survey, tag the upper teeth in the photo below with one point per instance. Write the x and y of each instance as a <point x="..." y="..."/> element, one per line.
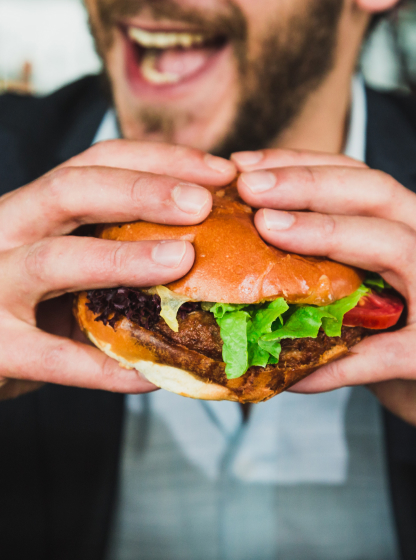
<point x="164" y="40"/>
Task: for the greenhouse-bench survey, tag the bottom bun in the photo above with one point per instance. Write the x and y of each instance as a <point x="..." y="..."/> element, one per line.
<point x="172" y="379"/>
<point x="182" y="370"/>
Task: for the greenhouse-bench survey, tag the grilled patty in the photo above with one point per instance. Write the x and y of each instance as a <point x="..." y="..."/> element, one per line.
<point x="197" y="347"/>
<point x="200" y="332"/>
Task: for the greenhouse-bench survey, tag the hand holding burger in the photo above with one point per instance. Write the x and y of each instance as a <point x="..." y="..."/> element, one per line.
<point x="41" y="262"/>
<point x="247" y="322"/>
<point x="358" y="216"/>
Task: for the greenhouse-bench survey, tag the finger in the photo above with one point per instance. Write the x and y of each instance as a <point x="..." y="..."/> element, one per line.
<point x="70" y="264"/>
<point x="369" y="243"/>
<point x="377" y="358"/>
<point x="267" y="159"/>
<point x="13" y="388"/>
<point x="398" y="396"/>
<point x="331" y="190"/>
<point x="45" y="358"/>
<point x="182" y="162"/>
<point x="61" y="201"/>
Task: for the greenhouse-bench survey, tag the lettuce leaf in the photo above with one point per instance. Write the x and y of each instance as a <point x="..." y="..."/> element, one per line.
<point x="261" y="323"/>
<point x="374" y="280"/>
<point x="305" y="322"/>
<point x="252" y="333"/>
<point x="332" y="327"/>
<point x="241" y="330"/>
<point x="233" y="326"/>
<point x="220" y="309"/>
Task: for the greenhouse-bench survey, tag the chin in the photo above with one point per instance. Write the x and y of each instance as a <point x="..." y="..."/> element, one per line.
<point x="196" y="111"/>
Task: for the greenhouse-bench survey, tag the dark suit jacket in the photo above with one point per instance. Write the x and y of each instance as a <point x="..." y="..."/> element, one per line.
<point x="59" y="447"/>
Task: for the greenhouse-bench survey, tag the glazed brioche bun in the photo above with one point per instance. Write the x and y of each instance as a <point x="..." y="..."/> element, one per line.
<point x="233" y="265"/>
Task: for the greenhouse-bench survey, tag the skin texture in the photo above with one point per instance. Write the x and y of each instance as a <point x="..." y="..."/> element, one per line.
<point x="258" y="94"/>
<point x="42" y="263"/>
<point x="39" y="341"/>
<point x="348" y="203"/>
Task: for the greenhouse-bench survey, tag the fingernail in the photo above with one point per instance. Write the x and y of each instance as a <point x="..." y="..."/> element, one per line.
<point x="276" y="220"/>
<point x="190" y="198"/>
<point x="218" y="164"/>
<point x="259" y="181"/>
<point x="169" y="253"/>
<point x="247" y="158"/>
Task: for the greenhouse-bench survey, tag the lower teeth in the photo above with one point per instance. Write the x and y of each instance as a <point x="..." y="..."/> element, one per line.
<point x="152" y="74"/>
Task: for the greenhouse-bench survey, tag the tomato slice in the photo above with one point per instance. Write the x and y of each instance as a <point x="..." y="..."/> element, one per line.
<point x="375" y="311"/>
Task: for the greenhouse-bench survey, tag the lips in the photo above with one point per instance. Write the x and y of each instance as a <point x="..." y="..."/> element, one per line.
<point x="159" y="59"/>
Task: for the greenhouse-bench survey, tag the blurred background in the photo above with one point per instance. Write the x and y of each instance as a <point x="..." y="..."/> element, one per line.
<point x="45" y="44"/>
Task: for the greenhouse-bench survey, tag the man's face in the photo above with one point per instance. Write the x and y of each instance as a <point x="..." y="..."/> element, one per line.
<point x="221" y="75"/>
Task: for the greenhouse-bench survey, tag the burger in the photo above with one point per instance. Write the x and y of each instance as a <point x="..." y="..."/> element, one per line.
<point x="246" y="323"/>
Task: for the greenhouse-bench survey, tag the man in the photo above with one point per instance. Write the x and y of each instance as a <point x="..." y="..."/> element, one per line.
<point x="220" y="76"/>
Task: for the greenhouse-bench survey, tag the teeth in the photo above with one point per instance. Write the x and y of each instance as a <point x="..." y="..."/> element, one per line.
<point x="152" y="75"/>
<point x="161" y="40"/>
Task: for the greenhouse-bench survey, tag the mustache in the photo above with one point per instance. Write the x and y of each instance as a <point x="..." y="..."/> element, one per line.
<point x="229" y="22"/>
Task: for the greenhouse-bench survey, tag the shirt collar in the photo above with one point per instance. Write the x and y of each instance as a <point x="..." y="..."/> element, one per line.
<point x="108" y="129"/>
<point x="355" y="145"/>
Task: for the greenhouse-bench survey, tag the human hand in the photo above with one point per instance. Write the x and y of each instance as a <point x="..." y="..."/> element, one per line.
<point x="116" y="181"/>
<point x="357" y="216"/>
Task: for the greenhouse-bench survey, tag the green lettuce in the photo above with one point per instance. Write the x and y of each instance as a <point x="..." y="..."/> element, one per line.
<point x="261" y="323"/>
<point x="233" y="326"/>
<point x="252" y="333"/>
<point x="220" y="309"/>
<point x="241" y="330"/>
<point x="374" y="280"/>
<point x="332" y="326"/>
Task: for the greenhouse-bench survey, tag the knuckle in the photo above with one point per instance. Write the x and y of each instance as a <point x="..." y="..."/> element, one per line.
<point x="180" y="152"/>
<point x="336" y="372"/>
<point x="98" y="153"/>
<point x="142" y="191"/>
<point x="310" y="175"/>
<point x="325" y="227"/>
<point x="403" y="252"/>
<point x="52" y="360"/>
<point x="393" y="352"/>
<point x="58" y="185"/>
<point x="37" y="259"/>
<point x="382" y="177"/>
<point x="118" y="258"/>
<point x="110" y="372"/>
<point x="105" y="261"/>
<point x="328" y="227"/>
<point x="389" y="183"/>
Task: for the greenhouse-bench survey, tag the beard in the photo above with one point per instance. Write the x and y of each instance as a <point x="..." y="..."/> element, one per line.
<point x="293" y="58"/>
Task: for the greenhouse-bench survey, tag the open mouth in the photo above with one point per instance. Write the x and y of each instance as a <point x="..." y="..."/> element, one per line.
<point x="164" y="59"/>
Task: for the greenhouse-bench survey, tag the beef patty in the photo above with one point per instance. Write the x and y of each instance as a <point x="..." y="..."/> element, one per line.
<point x="197" y="347"/>
<point x="199" y="331"/>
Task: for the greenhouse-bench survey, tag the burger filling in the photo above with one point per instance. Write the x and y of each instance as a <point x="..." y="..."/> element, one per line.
<point x="247" y="334"/>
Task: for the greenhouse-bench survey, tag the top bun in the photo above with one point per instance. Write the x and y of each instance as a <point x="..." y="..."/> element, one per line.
<point x="233" y="264"/>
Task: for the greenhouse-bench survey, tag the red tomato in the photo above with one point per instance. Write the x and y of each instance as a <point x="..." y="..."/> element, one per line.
<point x="375" y="311"/>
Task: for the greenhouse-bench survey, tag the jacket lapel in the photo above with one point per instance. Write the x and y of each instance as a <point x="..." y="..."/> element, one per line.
<point x="391" y="136"/>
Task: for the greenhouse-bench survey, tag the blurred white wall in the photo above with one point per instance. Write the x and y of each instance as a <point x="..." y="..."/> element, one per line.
<point x="51" y="34"/>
